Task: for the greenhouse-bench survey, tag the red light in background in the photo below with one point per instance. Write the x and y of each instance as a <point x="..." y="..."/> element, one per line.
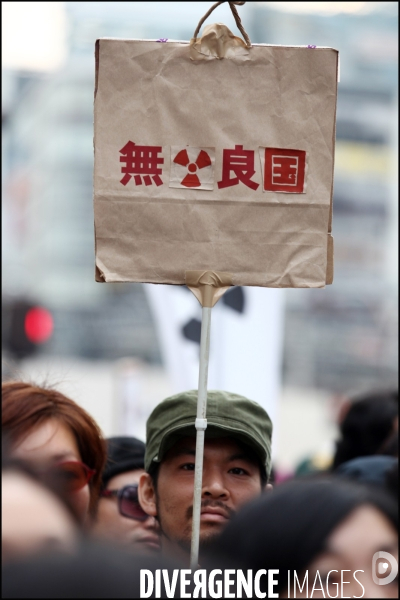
<point x="38" y="325"/>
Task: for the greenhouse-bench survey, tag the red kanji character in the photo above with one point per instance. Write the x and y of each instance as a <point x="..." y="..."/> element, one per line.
<point x="284" y="170"/>
<point x="241" y="162"/>
<point x="141" y="160"/>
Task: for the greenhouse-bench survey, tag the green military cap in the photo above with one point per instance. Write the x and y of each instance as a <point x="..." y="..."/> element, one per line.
<point x="228" y="415"/>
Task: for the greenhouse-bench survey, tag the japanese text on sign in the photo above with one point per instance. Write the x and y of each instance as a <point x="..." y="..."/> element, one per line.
<point x="284" y="170"/>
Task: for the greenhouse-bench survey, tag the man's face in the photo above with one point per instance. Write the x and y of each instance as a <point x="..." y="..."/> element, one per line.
<point x="230" y="479"/>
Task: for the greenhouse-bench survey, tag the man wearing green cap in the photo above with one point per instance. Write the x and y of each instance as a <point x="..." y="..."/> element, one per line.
<point x="236" y="466"/>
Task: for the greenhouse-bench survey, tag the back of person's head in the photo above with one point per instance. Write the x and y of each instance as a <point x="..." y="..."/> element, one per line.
<point x="46" y="478"/>
<point x="288" y="528"/>
<point x="36" y="512"/>
<point x="368" y="423"/>
<point x="94" y="571"/>
<point x="390" y="446"/>
<point x="124" y="453"/>
<point x="25" y="407"/>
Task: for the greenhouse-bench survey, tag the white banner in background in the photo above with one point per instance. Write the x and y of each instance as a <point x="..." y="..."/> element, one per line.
<point x="246" y="341"/>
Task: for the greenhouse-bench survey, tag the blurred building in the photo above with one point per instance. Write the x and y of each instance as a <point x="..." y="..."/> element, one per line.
<point x="344" y="337"/>
<point x="338" y="338"/>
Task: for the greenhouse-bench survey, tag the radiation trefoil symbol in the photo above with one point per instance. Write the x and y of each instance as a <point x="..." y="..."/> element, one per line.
<point x="192" y="168"/>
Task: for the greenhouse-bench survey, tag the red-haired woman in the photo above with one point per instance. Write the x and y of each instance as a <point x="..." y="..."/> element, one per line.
<point x="45" y="427"/>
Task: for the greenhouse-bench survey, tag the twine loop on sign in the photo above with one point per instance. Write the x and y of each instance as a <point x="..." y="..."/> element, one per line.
<point x="235" y="15"/>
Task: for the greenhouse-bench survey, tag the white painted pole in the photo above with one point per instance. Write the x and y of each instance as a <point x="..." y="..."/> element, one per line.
<point x="201" y="424"/>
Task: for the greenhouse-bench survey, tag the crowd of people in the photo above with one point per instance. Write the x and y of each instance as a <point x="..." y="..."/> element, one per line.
<point x="84" y="516"/>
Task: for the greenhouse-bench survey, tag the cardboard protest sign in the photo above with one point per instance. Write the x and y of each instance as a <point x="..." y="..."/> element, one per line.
<point x="212" y="155"/>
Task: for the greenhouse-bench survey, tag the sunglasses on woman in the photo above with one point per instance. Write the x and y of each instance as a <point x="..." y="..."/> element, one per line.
<point x="128" y="502"/>
<point x="72" y="474"/>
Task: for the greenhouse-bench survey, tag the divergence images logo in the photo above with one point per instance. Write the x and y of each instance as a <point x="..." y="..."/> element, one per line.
<point x="382" y="567"/>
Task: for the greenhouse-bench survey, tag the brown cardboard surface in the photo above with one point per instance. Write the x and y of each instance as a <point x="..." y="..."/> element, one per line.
<point x="152" y="94"/>
<point x="208" y="286"/>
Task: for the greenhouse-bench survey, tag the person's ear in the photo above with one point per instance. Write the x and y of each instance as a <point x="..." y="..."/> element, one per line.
<point x="147" y="495"/>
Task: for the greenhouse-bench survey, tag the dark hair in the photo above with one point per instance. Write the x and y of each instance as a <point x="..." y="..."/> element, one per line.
<point x="124" y="453"/>
<point x="390" y="446"/>
<point x="368" y="423"/>
<point x="95" y="570"/>
<point x="287" y="528"/>
<point x="25" y="407"/>
<point x="370" y="470"/>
